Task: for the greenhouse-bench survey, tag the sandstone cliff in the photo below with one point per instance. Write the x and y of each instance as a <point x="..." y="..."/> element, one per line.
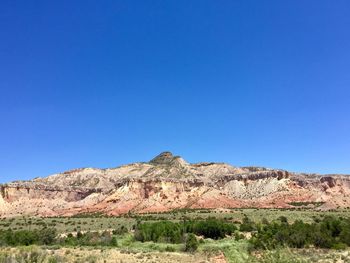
<point x="168" y="182"/>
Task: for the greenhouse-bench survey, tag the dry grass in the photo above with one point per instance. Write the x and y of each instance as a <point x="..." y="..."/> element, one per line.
<point x="225" y="250"/>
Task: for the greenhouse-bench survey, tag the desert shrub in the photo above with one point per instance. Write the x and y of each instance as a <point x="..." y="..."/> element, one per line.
<point x="280" y="256"/>
<point x="89" y="239"/>
<point x="210" y="228"/>
<point x="164" y="231"/>
<point x="30" y="255"/>
<point x="328" y="232"/>
<point x="114" y="242"/>
<point x="45" y="236"/>
<point x="344" y="235"/>
<point x="283" y="219"/>
<point x="238" y="236"/>
<point x="191" y="244"/>
<point x="247" y="225"/>
<point x="170" y="232"/>
<point x="169" y="249"/>
<point x="339" y="246"/>
<point x="120" y="231"/>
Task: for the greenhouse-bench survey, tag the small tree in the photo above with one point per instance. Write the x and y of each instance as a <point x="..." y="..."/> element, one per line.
<point x="247" y="225"/>
<point x="47" y="236"/>
<point x="114" y="242"/>
<point x="191" y="243"/>
<point x="79" y="235"/>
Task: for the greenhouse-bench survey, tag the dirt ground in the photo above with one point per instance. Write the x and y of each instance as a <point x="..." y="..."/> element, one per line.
<point x="87" y="255"/>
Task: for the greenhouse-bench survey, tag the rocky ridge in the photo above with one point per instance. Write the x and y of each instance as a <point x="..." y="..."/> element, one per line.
<point x="169" y="182"/>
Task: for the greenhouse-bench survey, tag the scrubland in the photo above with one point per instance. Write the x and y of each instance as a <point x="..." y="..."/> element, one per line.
<point x="222" y="235"/>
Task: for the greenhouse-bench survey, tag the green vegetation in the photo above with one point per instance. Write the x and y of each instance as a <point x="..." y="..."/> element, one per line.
<point x="32" y="255"/>
<point x="89" y="239"/>
<point x="315" y="204"/>
<point x="210" y="228"/>
<point x="247" y="225"/>
<point x="98" y="222"/>
<point x="2" y="191"/>
<point x="68" y="224"/>
<point x="170" y="232"/>
<point x="191" y="243"/>
<point x="164" y="231"/>
<point x="242" y="235"/>
<point x="329" y="232"/>
<point x="45" y="236"/>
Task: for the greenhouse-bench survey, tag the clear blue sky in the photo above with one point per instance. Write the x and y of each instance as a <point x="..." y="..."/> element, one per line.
<point x="104" y="83"/>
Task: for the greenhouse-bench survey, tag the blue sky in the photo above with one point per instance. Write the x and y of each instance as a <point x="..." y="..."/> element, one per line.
<point x="104" y="83"/>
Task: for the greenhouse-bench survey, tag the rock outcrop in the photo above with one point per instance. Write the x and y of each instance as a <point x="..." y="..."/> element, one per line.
<point x="169" y="182"/>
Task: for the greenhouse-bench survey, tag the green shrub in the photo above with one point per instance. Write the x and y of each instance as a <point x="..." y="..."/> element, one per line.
<point x="191" y="244"/>
<point x="164" y="231"/>
<point x="339" y="246"/>
<point x="169" y="249"/>
<point x="210" y="228"/>
<point x="120" y="231"/>
<point x="247" y="225"/>
<point x="329" y="232"/>
<point x="170" y="232"/>
<point x="45" y="236"/>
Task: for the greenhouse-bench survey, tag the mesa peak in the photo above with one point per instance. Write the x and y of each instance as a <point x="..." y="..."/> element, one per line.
<point x="163" y="158"/>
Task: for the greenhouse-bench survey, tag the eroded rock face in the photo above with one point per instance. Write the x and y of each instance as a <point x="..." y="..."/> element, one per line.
<point x="168" y="182"/>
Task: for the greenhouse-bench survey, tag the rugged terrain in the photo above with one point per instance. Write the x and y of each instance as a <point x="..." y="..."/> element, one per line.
<point x="168" y="182"/>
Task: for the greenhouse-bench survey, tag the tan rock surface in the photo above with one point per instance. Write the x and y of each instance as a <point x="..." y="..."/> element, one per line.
<point x="168" y="182"/>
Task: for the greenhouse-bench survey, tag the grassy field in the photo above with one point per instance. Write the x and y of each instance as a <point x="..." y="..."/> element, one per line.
<point x="99" y="222"/>
<point x="67" y="225"/>
<point x="128" y="249"/>
<point x="226" y="250"/>
<point x="257" y="215"/>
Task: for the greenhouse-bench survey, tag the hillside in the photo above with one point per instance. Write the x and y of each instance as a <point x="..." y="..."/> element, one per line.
<point x="169" y="182"/>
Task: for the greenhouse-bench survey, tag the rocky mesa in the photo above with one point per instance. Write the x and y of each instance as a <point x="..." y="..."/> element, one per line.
<point x="169" y="182"/>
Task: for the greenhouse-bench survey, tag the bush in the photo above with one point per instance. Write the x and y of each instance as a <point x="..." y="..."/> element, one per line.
<point x="45" y="236"/>
<point x="191" y="243"/>
<point x="210" y="228"/>
<point x="120" y="231"/>
<point x="170" y="232"/>
<point x="326" y="233"/>
<point x="90" y="239"/>
<point x="247" y="225"/>
<point x="114" y="242"/>
<point x="339" y="246"/>
<point x="164" y="231"/>
<point x="169" y="249"/>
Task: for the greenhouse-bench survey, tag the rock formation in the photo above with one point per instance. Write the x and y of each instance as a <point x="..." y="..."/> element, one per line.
<point x="168" y="182"/>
